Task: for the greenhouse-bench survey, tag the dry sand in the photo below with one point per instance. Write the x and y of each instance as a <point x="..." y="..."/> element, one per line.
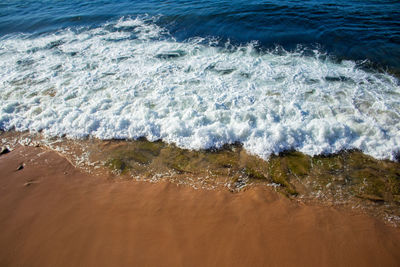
<point x="51" y="214"/>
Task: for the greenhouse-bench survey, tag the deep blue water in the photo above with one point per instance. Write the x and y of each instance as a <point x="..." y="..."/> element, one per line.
<point x="346" y="29"/>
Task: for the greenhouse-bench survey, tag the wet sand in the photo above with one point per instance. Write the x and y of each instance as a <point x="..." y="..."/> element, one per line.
<point x="51" y="214"/>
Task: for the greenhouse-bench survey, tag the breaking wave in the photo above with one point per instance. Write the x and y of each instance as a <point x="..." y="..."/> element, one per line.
<point x="129" y="78"/>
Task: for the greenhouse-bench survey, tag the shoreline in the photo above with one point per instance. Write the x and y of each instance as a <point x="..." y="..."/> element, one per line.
<point x="53" y="214"/>
<point x="350" y="179"/>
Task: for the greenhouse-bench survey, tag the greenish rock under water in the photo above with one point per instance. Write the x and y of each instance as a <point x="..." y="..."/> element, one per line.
<point x="351" y="172"/>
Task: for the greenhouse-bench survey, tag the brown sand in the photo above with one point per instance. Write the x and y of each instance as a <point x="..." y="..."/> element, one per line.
<point x="53" y="215"/>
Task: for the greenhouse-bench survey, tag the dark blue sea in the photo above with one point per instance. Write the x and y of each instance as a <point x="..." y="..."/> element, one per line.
<point x="351" y="29"/>
<point x="315" y="76"/>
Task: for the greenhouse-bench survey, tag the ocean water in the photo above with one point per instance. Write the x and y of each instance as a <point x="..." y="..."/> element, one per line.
<point x="314" y="76"/>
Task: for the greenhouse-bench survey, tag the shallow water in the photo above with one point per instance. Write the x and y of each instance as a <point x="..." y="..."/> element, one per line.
<point x="348" y="178"/>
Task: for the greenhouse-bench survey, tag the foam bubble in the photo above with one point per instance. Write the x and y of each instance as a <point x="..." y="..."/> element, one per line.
<point x="130" y="79"/>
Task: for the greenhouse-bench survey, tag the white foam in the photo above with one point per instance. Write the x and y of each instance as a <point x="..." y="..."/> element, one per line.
<point x="129" y="79"/>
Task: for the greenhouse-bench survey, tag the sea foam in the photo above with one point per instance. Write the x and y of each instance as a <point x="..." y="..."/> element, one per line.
<point x="130" y="78"/>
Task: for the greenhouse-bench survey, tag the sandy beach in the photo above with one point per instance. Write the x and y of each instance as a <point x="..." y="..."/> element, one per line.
<point x="52" y="214"/>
